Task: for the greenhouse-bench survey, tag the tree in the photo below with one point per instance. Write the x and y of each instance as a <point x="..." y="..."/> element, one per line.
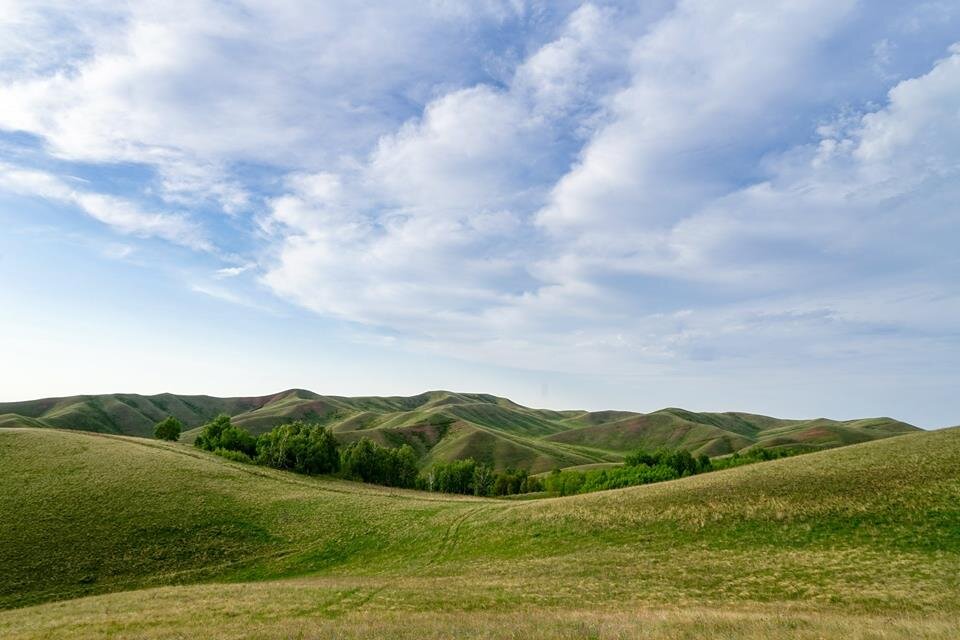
<point x="455" y="476"/>
<point x="640" y="457"/>
<point x="483" y="478"/>
<point x="168" y="429"/>
<point x="368" y="461"/>
<point x="220" y="434"/>
<point x="405" y="470"/>
<point x="359" y="461"/>
<point x="209" y="437"/>
<point x="301" y="447"/>
<point x="703" y="463"/>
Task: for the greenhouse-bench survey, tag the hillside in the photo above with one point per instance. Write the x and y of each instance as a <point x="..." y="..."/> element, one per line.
<point x="859" y="542"/>
<point x="443" y="425"/>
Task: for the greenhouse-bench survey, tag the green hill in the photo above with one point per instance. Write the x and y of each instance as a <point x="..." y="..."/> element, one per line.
<point x="443" y="425"/>
<point x="860" y="542"/>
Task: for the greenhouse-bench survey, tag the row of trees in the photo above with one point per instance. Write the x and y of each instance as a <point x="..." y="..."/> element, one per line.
<point x="680" y="461"/>
<point x="757" y="454"/>
<point x="299" y="447"/>
<point x="367" y="461"/>
<point x="313" y="449"/>
<point x="566" y="483"/>
<point x="644" y="467"/>
<point x="477" y="478"/>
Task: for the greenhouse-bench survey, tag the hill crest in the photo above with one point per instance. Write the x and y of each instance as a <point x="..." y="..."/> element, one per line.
<point x="445" y="425"/>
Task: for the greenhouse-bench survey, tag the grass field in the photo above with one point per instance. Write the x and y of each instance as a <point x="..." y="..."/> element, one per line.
<point x="106" y="536"/>
<point x="442" y="426"/>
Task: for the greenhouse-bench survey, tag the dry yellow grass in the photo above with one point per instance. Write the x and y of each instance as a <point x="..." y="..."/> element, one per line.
<point x="351" y="608"/>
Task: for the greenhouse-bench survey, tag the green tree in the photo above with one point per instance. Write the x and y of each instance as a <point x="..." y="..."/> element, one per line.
<point x="168" y="429"/>
<point x="405" y="470"/>
<point x="358" y="461"/>
<point x="301" y="447"/>
<point x="367" y="461"/>
<point x="219" y="433"/>
<point x="483" y="478"/>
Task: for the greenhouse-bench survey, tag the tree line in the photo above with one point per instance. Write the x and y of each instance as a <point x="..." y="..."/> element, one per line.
<point x="644" y="467"/>
<point x="313" y="449"/>
<point x="470" y="477"/>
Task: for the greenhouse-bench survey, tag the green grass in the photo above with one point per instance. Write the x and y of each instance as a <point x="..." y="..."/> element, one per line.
<point x="442" y="425"/>
<point x="862" y="541"/>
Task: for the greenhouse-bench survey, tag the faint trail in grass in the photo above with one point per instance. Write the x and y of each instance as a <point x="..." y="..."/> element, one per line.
<point x="451" y="535"/>
<point x="447" y="544"/>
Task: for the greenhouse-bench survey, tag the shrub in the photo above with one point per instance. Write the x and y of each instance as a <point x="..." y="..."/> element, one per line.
<point x="168" y="429"/>
<point x="236" y="456"/>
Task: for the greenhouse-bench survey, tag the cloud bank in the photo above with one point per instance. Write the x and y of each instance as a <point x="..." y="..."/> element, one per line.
<point x="738" y="187"/>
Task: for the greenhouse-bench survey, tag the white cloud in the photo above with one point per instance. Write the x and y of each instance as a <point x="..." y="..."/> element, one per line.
<point x="233" y="272"/>
<point x="427" y="233"/>
<point x="120" y="214"/>
<point x="192" y="89"/>
<point x="650" y="251"/>
<point x="622" y="190"/>
<point x="709" y="79"/>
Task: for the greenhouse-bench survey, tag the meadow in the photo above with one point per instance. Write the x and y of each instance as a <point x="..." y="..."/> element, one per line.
<point x="109" y="536"/>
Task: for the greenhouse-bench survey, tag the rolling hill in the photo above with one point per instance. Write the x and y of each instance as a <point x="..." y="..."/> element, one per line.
<point x="443" y="425"/>
<point x="107" y="536"/>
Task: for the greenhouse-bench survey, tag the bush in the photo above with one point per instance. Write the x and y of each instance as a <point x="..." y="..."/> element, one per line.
<point x="236" y="456"/>
<point x="168" y="429"/>
<point x="301" y="447"/>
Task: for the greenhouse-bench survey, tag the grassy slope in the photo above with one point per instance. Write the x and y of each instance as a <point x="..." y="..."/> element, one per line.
<point x="853" y="541"/>
<point x="723" y="433"/>
<point x="443" y="425"/>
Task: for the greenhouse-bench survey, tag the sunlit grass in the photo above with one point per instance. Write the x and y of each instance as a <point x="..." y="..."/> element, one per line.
<point x="861" y="542"/>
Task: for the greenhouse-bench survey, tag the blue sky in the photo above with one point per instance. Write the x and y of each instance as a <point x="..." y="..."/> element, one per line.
<point x="748" y="205"/>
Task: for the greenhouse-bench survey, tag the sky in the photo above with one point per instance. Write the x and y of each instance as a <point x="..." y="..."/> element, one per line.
<point x="751" y="205"/>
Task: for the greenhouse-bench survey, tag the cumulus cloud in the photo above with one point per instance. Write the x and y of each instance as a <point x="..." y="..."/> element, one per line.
<point x="572" y="185"/>
<point x="430" y="230"/>
<point x="648" y="247"/>
<point x="192" y="90"/>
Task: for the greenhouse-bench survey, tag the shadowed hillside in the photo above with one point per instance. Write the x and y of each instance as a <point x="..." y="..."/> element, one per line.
<point x="443" y="426"/>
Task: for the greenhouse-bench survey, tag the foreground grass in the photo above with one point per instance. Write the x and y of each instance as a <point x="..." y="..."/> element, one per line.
<point x="860" y="542"/>
<point x="330" y="608"/>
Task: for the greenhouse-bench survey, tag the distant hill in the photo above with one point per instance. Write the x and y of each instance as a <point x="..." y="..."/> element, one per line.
<point x="443" y="425"/>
